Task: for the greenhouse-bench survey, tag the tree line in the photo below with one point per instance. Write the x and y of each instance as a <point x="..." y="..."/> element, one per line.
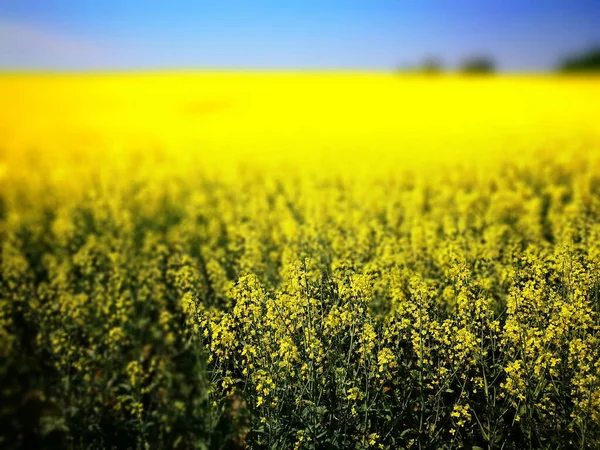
<point x="586" y="61"/>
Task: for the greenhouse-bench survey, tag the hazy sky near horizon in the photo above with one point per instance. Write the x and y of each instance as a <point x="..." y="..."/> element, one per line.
<point x="521" y="35"/>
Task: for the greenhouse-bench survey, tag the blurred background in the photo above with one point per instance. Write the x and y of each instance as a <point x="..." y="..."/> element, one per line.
<point x="376" y="35"/>
<point x="321" y="81"/>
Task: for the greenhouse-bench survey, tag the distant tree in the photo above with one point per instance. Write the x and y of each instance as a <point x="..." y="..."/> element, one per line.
<point x="477" y="65"/>
<point x="429" y="65"/>
<point x="588" y="61"/>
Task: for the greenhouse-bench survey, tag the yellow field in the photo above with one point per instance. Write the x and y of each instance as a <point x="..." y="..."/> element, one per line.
<point x="300" y="261"/>
<point x="298" y="117"/>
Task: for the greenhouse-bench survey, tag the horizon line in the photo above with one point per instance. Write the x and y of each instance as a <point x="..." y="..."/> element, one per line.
<point x="273" y="70"/>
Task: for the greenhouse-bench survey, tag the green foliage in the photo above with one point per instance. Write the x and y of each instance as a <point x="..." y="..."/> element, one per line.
<point x="588" y="61"/>
<point x="477" y="65"/>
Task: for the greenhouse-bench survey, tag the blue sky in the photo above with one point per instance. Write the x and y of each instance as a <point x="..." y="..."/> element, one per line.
<point x="290" y="34"/>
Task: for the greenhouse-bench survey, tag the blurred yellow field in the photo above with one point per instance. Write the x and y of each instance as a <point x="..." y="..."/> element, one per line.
<point x="381" y="118"/>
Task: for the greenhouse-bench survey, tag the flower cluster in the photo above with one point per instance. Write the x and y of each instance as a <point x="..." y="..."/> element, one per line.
<point x="155" y="301"/>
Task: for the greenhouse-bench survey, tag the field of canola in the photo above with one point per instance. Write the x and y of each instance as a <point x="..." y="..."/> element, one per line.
<point x="297" y="261"/>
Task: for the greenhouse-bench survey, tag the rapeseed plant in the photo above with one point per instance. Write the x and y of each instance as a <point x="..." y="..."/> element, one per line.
<point x="324" y="301"/>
